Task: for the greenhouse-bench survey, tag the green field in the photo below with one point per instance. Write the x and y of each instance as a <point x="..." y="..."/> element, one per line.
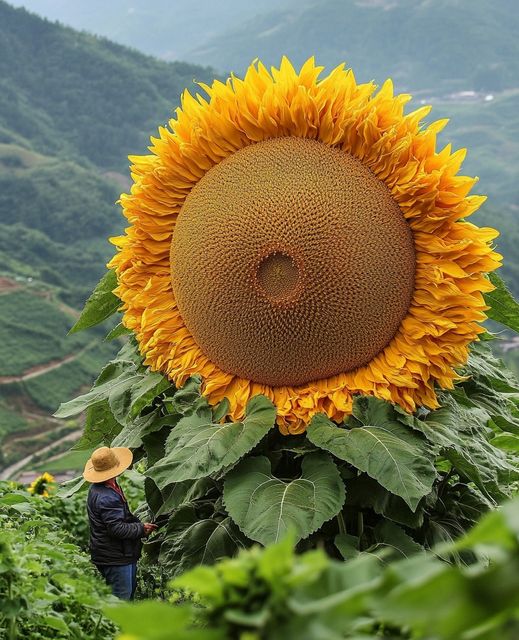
<point x="69" y="461"/>
<point x="59" y="385"/>
<point x="40" y="328"/>
<point x="10" y="420"/>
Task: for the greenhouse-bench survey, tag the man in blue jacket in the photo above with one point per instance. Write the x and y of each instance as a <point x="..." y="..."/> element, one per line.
<point x="115" y="533"/>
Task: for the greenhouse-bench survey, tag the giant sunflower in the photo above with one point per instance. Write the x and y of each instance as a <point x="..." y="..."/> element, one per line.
<point x="302" y="238"/>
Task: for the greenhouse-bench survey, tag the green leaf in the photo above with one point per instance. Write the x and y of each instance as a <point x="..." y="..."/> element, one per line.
<point x="435" y="605"/>
<point x="182" y="493"/>
<point x="363" y="492"/>
<point x="490" y="386"/>
<point x="132" y="433"/>
<point x="117" y="332"/>
<point x="197" y="448"/>
<point x="499" y="528"/>
<point x="389" y="536"/>
<point x="266" y="508"/>
<point x="146" y="390"/>
<point x="14" y="498"/>
<point x="153" y="620"/>
<point x="204" y="581"/>
<point x="55" y="622"/>
<point x="347" y="545"/>
<point x="221" y="410"/>
<point x="463" y="434"/>
<point x="484" y="368"/>
<point x="503" y="308"/>
<point x="112" y="390"/>
<point x="101" y="304"/>
<point x="506" y="442"/>
<point x="383" y="448"/>
<point x="70" y="487"/>
<point x="101" y="427"/>
<point x="190" y="540"/>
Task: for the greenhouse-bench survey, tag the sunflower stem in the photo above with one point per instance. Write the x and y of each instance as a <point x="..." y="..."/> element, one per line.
<point x="360" y="526"/>
<point x="341" y="523"/>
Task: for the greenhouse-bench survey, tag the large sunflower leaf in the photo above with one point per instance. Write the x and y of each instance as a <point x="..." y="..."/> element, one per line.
<point x="124" y="383"/>
<point x="265" y="507"/>
<point x="101" y="427"/>
<point x="191" y="540"/>
<point x="503" y="308"/>
<point x="483" y="366"/>
<point x="383" y="447"/>
<point x="101" y="304"/>
<point x="363" y="492"/>
<point x="111" y="390"/>
<point x="491" y="387"/>
<point x="463" y="435"/>
<point x="197" y="447"/>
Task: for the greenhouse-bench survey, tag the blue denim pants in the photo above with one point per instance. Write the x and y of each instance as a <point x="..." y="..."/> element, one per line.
<point x="122" y="579"/>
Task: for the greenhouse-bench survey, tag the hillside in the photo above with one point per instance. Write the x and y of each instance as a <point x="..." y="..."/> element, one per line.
<point x="39" y="365"/>
<point x="72" y="107"/>
<point x="456" y="44"/>
<point x="163" y="28"/>
<point x="72" y="93"/>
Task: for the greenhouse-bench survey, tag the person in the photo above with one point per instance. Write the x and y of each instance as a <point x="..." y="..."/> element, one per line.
<point x="115" y="533"/>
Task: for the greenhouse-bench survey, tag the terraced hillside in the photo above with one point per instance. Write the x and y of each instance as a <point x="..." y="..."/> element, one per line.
<point x="41" y="367"/>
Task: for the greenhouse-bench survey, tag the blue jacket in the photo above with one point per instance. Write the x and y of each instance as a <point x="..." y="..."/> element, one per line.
<point x="115" y="533"/>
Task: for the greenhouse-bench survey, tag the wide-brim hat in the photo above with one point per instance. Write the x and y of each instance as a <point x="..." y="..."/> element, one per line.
<point x="106" y="463"/>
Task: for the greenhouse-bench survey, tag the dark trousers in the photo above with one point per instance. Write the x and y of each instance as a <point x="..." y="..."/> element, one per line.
<point x="122" y="579"/>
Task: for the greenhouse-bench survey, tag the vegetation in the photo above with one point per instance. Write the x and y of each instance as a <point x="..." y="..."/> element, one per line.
<point x="448" y="44"/>
<point x="468" y="588"/>
<point x="86" y="97"/>
<point x="40" y="323"/>
<point x="383" y="477"/>
<point x="273" y="594"/>
<point x="48" y="587"/>
<point x="41" y="329"/>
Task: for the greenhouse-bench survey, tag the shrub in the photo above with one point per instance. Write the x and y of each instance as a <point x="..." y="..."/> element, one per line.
<point x="274" y="594"/>
<point x="48" y="587"/>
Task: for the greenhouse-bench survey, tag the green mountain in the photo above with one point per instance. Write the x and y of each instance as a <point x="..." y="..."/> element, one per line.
<point x="161" y="27"/>
<point x="72" y="107"/>
<point x="458" y="44"/>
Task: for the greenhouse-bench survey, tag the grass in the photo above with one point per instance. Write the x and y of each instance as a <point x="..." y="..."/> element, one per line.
<point x="39" y="328"/>
<point x="49" y="390"/>
<point x="10" y="421"/>
<point x="69" y="461"/>
<point x="14" y="157"/>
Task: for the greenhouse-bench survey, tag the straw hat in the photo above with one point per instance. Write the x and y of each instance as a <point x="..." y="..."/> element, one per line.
<point x="106" y="463"/>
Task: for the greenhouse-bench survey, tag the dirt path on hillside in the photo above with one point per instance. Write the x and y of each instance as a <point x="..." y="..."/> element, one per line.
<point x="8" y="472"/>
<point x="7" y="285"/>
<point x="41" y="369"/>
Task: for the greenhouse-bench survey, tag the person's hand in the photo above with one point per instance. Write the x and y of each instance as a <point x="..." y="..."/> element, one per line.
<point x="149" y="528"/>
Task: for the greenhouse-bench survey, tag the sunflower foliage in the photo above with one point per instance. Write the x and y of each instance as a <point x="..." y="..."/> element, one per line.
<point x="383" y="481"/>
<point x="273" y="593"/>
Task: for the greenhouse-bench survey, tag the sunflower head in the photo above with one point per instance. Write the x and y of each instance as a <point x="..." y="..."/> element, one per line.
<point x="40" y="486"/>
<point x="301" y="237"/>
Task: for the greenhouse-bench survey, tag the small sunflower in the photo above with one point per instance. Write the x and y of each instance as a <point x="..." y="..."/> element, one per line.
<point x="302" y="238"/>
<point x="40" y="486"/>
